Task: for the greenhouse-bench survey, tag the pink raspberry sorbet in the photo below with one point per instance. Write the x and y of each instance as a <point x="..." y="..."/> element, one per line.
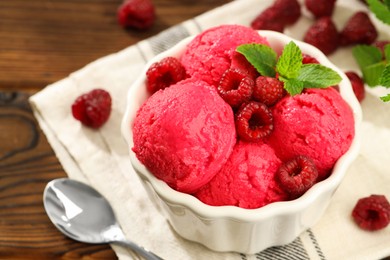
<point x="247" y="180"/>
<point x="212" y="52"/>
<point x="317" y="123"/>
<point x="184" y="134"/>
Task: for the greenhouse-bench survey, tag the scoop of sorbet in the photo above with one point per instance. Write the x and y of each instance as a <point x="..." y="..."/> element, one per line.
<point x="318" y="123"/>
<point x="184" y="134"/>
<point x="213" y="51"/>
<point x="247" y="180"/>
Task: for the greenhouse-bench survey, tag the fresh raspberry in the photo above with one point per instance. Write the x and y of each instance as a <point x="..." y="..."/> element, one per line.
<point x="372" y="213"/>
<point x="268" y="90"/>
<point x="268" y="20"/>
<point x="320" y="8"/>
<point x="307" y="59"/>
<point x="297" y="175"/>
<point x="381" y="46"/>
<point x="358" y="30"/>
<point x="289" y="11"/>
<point x="235" y="87"/>
<point x="323" y="35"/>
<point x="357" y="85"/>
<point x="138" y="14"/>
<point x="93" y="108"/>
<point x="277" y="16"/>
<point x="164" y="73"/>
<point x="254" y="121"/>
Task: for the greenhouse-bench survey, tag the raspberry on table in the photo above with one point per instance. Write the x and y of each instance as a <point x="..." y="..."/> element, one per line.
<point x="297" y="175"/>
<point x="359" y="29"/>
<point x="289" y="11"/>
<point x="254" y="121"/>
<point x="92" y="109"/>
<point x="323" y="34"/>
<point x="235" y="87"/>
<point x="268" y="20"/>
<point x="164" y="73"/>
<point x="320" y="8"/>
<point x="138" y="14"/>
<point x="277" y="16"/>
<point x="357" y="85"/>
<point x="372" y="213"/>
<point x="268" y="90"/>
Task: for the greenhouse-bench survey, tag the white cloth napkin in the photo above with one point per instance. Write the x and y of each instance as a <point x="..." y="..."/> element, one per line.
<point x="99" y="157"/>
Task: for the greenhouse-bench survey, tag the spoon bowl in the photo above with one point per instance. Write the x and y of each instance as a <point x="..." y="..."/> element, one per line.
<point x="83" y="214"/>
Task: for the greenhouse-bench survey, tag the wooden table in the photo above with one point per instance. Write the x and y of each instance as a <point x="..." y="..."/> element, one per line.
<point x="41" y="42"/>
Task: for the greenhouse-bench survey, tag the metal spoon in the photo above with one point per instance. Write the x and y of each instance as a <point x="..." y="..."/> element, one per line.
<point x="83" y="214"/>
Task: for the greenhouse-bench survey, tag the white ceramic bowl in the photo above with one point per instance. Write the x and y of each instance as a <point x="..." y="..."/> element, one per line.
<point x="230" y="228"/>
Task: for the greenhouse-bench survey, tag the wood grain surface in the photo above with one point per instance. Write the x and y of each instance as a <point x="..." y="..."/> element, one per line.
<point x="41" y="42"/>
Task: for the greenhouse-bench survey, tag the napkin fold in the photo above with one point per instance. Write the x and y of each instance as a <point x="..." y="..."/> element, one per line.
<point x="100" y="157"/>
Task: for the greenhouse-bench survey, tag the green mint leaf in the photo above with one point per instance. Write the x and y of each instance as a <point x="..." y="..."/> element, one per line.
<point x="290" y="61"/>
<point x="318" y="76"/>
<point x="381" y="10"/>
<point x="366" y="55"/>
<point x="385" y="78"/>
<point x="387" y="51"/>
<point x="293" y="86"/>
<point x="385" y="98"/>
<point x="261" y="56"/>
<point x="295" y="75"/>
<point x="373" y="73"/>
<point x="387" y="3"/>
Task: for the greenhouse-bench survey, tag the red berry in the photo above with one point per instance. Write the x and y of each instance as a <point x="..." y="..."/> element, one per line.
<point x="323" y="35"/>
<point x="277" y="16"/>
<point x="268" y="20"/>
<point x="307" y="59"/>
<point x="164" y="73"/>
<point x="372" y="213"/>
<point x="358" y="30"/>
<point x="138" y="14"/>
<point x="357" y="85"/>
<point x="93" y="108"/>
<point x="268" y="90"/>
<point x="289" y="11"/>
<point x="297" y="175"/>
<point x="254" y="121"/>
<point x="235" y="87"/>
<point x="320" y="8"/>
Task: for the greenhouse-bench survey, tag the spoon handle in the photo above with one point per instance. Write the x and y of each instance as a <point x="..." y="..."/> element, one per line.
<point x="148" y="255"/>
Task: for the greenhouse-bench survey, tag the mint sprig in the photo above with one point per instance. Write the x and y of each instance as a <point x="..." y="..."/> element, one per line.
<point x="385" y="78"/>
<point x="318" y="76"/>
<point x="261" y="56"/>
<point x="290" y="62"/>
<point x="374" y="66"/>
<point x="381" y="10"/>
<point x="366" y="55"/>
<point x="369" y="59"/>
<point x="295" y="75"/>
